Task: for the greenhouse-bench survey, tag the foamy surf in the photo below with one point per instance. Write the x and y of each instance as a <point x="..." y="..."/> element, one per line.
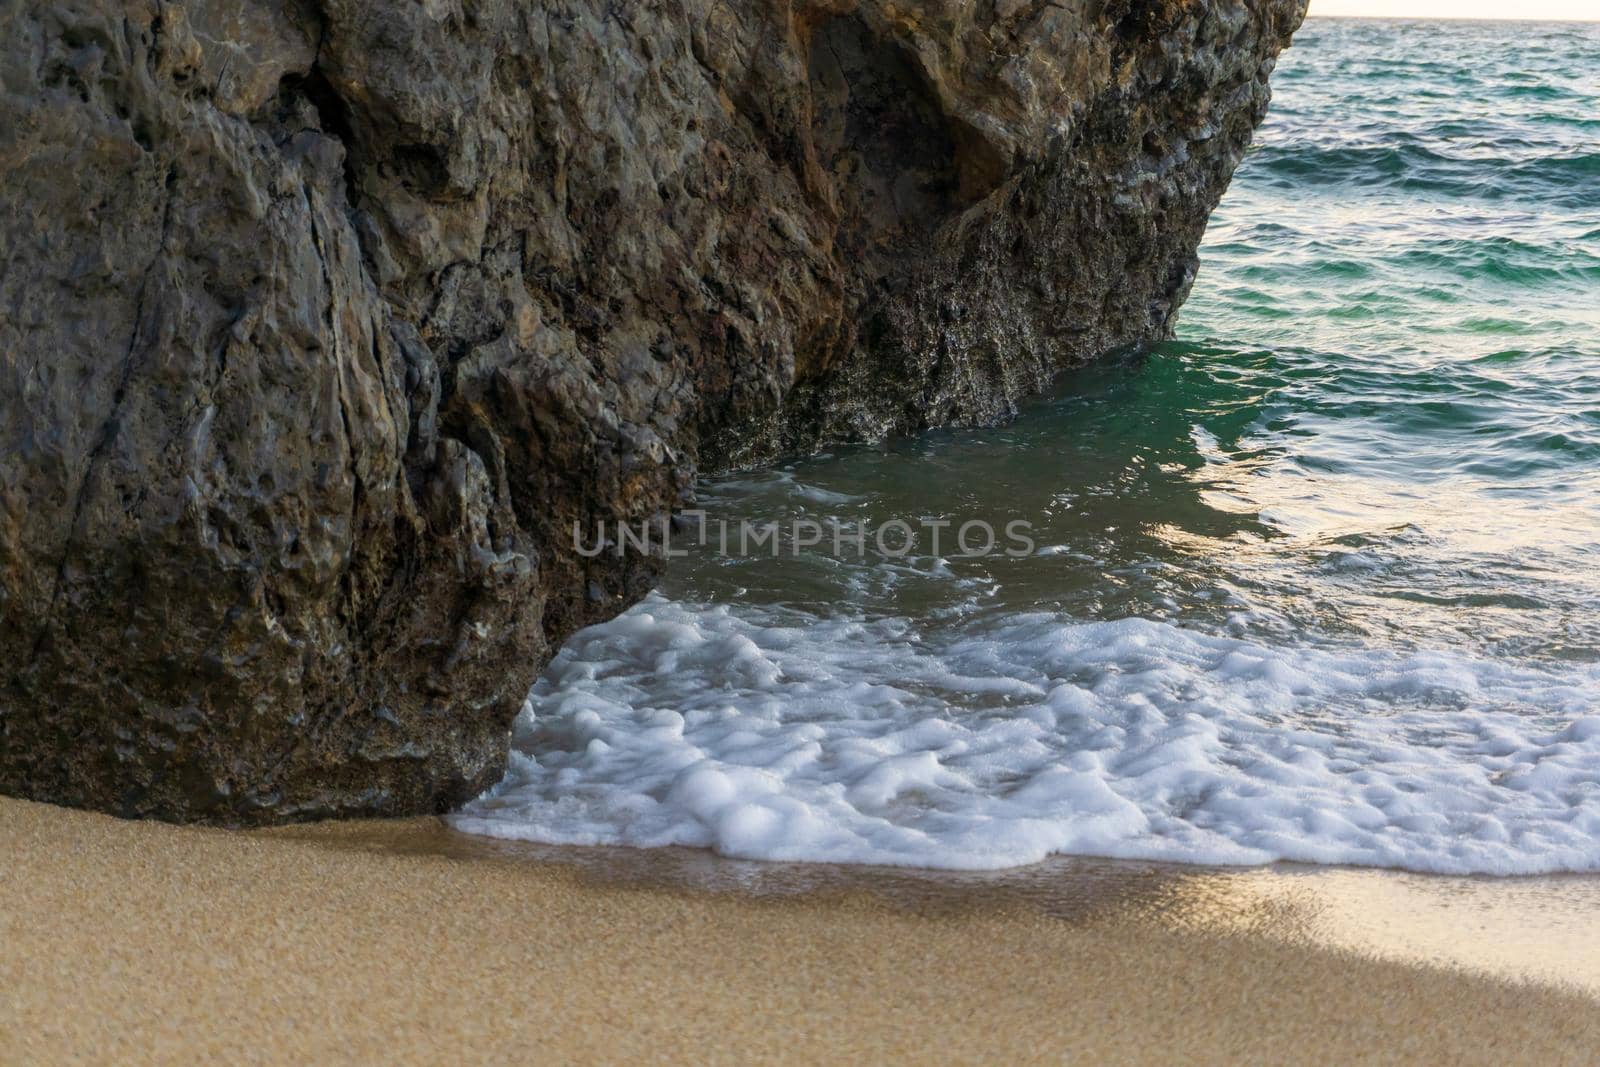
<point x="769" y="734"/>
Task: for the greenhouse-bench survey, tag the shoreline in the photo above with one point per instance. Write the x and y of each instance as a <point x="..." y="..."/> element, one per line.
<point x="407" y="941"/>
<point x="1547" y="927"/>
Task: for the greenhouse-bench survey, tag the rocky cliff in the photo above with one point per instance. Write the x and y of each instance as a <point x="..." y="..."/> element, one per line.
<point x="323" y="321"/>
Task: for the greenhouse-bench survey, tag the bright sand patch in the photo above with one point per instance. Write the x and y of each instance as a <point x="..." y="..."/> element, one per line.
<point x="126" y="943"/>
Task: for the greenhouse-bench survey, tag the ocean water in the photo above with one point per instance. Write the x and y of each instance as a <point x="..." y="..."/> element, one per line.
<point x="1319" y="581"/>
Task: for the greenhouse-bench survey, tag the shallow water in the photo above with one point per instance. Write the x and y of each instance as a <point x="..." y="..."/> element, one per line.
<point x="1315" y="582"/>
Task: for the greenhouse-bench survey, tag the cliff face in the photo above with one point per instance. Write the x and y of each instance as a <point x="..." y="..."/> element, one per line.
<point x="323" y="321"/>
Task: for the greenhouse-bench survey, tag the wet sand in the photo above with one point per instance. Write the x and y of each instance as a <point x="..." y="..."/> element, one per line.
<point x="405" y="942"/>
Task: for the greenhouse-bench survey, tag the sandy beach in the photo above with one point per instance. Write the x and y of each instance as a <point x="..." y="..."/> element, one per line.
<point x="406" y="942"/>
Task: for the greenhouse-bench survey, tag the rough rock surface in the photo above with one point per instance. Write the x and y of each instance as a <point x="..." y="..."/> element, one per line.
<point x="323" y="321"/>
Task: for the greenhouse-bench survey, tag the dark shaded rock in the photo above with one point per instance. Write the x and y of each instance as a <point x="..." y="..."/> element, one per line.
<point x="323" y="323"/>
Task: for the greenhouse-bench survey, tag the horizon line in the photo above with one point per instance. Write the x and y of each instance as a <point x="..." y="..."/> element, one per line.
<point x="1452" y="18"/>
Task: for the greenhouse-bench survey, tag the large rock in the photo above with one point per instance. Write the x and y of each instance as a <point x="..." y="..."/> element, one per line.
<point x="322" y="323"/>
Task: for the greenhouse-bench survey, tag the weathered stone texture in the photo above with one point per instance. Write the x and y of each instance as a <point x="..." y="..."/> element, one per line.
<point x="321" y="323"/>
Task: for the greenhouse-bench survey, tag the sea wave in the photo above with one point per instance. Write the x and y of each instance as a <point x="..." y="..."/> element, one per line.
<point x="772" y="734"/>
<point x="1477" y="172"/>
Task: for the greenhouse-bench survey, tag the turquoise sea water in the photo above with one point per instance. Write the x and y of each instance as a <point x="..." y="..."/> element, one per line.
<point x="1406" y="273"/>
<point x="1319" y="580"/>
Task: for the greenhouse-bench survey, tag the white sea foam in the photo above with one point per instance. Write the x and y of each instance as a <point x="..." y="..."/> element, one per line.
<point x="769" y="734"/>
